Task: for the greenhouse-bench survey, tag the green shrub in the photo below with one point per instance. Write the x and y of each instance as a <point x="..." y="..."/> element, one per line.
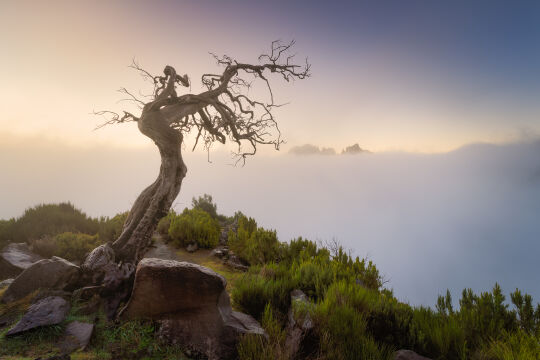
<point x="206" y="204"/>
<point x="254" y="245"/>
<point x="518" y="345"/>
<point x="194" y="226"/>
<point x="165" y="223"/>
<point x="342" y="329"/>
<point x="68" y="245"/>
<point x="46" y="246"/>
<point x="72" y="246"/>
<point x="252" y="293"/>
<point x="50" y="219"/>
<point x="111" y="228"/>
<point x="255" y="347"/>
<point x="6" y="231"/>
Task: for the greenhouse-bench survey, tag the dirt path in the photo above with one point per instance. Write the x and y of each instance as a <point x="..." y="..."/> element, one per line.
<point x="161" y="250"/>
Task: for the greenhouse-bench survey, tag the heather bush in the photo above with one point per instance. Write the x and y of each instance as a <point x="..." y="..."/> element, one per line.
<point x="194" y="226"/>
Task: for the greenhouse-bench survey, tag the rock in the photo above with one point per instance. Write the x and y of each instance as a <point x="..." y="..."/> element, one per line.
<point x="192" y="247"/>
<point x="408" y="355"/>
<point x="220" y="252"/>
<point x="76" y="337"/>
<point x="191" y="305"/>
<point x="96" y="263"/>
<point x="166" y="286"/>
<point x="5" y="283"/>
<point x="48" y="311"/>
<point x="299" y="326"/>
<point x="15" y="258"/>
<point x="211" y="333"/>
<point x="54" y="273"/>
<point x="235" y="262"/>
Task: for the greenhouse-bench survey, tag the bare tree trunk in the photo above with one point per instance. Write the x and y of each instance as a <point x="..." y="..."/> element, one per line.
<point x="156" y="200"/>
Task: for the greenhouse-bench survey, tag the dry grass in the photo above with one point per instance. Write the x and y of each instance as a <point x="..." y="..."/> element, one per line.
<point x="203" y="257"/>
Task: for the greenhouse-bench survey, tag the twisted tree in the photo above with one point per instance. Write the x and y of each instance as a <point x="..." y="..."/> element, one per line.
<point x="224" y="111"/>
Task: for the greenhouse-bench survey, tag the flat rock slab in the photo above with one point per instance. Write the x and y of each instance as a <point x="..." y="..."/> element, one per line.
<point x="408" y="355"/>
<point x="15" y="258"/>
<point x="77" y="336"/>
<point x="54" y="273"/>
<point x="165" y="286"/>
<point x="48" y="311"/>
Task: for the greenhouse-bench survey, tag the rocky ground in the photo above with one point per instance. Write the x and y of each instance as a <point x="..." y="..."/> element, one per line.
<point x="44" y="314"/>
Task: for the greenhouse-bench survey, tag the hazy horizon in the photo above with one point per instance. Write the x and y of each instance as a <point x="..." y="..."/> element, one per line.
<point x="429" y="221"/>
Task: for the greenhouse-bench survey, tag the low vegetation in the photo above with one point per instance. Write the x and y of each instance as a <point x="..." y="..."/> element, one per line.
<point x="60" y="230"/>
<point x="354" y="315"/>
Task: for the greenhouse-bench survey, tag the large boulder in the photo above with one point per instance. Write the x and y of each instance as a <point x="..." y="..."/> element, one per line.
<point x="408" y="355"/>
<point x="54" y="273"/>
<point x="15" y="258"/>
<point x="48" y="311"/>
<point x="191" y="305"/>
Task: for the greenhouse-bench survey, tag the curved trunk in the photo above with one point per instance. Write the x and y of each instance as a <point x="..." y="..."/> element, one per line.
<point x="156" y="200"/>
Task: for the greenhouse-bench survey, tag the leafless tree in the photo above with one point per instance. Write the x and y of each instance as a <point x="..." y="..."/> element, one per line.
<point x="224" y="111"/>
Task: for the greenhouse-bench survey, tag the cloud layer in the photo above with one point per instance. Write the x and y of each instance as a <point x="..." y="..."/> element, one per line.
<point x="467" y="218"/>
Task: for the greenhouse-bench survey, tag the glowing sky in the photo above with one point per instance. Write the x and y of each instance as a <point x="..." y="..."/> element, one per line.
<point x="389" y="75"/>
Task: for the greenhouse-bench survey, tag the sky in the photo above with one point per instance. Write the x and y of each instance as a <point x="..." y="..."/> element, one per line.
<point x="445" y="96"/>
<point x="390" y="75"/>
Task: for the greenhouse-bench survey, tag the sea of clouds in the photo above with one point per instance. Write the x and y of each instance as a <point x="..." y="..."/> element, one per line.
<point x="467" y="218"/>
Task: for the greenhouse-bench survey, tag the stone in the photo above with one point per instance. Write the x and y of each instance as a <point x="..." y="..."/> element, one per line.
<point x="235" y="262"/>
<point x="192" y="247"/>
<point x="5" y="283"/>
<point x="15" y="258"/>
<point x="96" y="263"/>
<point x="191" y="305"/>
<point x="163" y="287"/>
<point x="220" y="252"/>
<point x="76" y="336"/>
<point x="408" y="355"/>
<point x="48" y="311"/>
<point x="299" y="326"/>
<point x="54" y="273"/>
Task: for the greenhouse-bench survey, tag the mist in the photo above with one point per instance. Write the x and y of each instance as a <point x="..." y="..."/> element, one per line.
<point x="467" y="218"/>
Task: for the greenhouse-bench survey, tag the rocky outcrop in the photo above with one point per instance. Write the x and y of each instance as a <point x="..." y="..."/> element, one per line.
<point x="48" y="311"/>
<point x="76" y="337"/>
<point x="408" y="355"/>
<point x="191" y="305"/>
<point x="299" y="325"/>
<point x="54" y="273"/>
<point x="15" y="258"/>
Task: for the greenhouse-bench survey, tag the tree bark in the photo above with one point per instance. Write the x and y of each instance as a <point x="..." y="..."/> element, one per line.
<point x="156" y="200"/>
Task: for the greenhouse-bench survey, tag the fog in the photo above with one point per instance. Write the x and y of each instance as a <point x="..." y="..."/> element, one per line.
<point x="467" y="218"/>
